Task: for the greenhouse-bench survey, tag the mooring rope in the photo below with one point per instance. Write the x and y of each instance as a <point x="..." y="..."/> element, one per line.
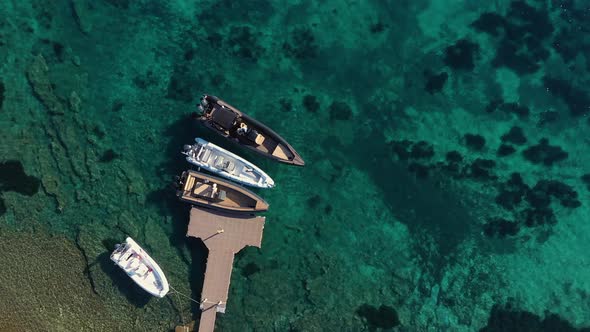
<point x="180" y="307"/>
<point x="185" y="296"/>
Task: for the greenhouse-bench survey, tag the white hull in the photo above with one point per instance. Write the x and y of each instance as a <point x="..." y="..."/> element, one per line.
<point x="226" y="164"/>
<point x="140" y="267"/>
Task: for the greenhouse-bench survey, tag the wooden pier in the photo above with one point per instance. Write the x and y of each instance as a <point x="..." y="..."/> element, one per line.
<point x="224" y="234"/>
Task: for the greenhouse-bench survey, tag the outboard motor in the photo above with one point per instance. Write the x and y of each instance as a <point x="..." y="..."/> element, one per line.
<point x="177" y="182"/>
<point x="204" y="104"/>
<point x="187" y="147"/>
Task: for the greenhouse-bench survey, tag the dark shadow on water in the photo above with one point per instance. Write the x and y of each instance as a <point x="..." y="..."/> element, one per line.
<point x="110" y="244"/>
<point x="180" y="132"/>
<point x="14" y="178"/>
<point x="170" y="206"/>
<point x="418" y="203"/>
<point x="132" y="292"/>
<point x="506" y="318"/>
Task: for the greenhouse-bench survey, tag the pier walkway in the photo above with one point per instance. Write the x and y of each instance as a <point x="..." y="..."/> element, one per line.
<point x="224" y="234"/>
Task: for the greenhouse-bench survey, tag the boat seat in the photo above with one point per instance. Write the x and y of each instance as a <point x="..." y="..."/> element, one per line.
<point x="229" y="166"/>
<point x="221" y="195"/>
<point x="201" y="189"/>
<point x="259" y="139"/>
<point x="142" y="270"/>
<point x="219" y="161"/>
<point x="255" y="137"/>
<point x="204" y="155"/>
<point x="189" y="184"/>
<point x="133" y="264"/>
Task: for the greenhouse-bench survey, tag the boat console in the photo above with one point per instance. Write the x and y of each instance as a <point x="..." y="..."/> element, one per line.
<point x="250" y="134"/>
<point x="223" y="117"/>
<point x="208" y="191"/>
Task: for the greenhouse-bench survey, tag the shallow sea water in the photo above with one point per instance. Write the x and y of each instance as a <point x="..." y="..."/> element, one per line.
<point x="446" y="182"/>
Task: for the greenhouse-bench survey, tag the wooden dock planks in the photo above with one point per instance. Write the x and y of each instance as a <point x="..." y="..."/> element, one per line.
<point x="224" y="234"/>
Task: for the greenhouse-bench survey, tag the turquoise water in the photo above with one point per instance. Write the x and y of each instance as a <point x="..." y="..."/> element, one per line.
<point x="446" y="182"/>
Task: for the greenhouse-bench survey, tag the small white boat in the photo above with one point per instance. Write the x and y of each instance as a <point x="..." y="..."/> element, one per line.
<point x="224" y="163"/>
<point x="140" y="267"/>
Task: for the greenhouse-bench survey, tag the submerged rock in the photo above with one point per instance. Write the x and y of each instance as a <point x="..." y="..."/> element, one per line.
<point x="384" y="317"/>
<point x="311" y="104"/>
<point x="108" y="156"/>
<point x="512" y="192"/>
<point x="474" y="141"/>
<point x="340" y="111"/>
<point x="435" y="82"/>
<point x="544" y="153"/>
<point x="482" y="169"/>
<point x="548" y="117"/>
<point x="38" y="76"/>
<point x="491" y="23"/>
<point x="515" y="108"/>
<point x="576" y="100"/>
<point x="422" y="150"/>
<point x="505" y="150"/>
<point x="538" y="217"/>
<point x="401" y="148"/>
<point x="500" y="228"/>
<point x="454" y="157"/>
<point x="250" y="269"/>
<point x="504" y="318"/>
<point x="515" y="136"/>
<point x="81" y="12"/>
<point x="421" y="171"/>
<point x="520" y="35"/>
<point x="301" y="44"/>
<point x="14" y="178"/>
<point x="566" y="195"/>
<point x="243" y="43"/>
<point x="461" y="55"/>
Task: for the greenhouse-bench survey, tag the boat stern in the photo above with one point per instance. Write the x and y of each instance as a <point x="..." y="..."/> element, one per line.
<point x="180" y="183"/>
<point x="203" y="105"/>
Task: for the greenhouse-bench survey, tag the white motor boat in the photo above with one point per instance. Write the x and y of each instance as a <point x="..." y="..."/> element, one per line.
<point x="224" y="163"/>
<point x="140" y="267"/>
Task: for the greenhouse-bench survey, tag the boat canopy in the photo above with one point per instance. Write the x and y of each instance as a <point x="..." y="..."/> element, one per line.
<point x="223" y="116"/>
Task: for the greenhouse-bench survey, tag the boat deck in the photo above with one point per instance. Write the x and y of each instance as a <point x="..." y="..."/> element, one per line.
<point x="267" y="142"/>
<point x="224" y="234"/>
<point x="223" y="162"/>
<point x="205" y="190"/>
